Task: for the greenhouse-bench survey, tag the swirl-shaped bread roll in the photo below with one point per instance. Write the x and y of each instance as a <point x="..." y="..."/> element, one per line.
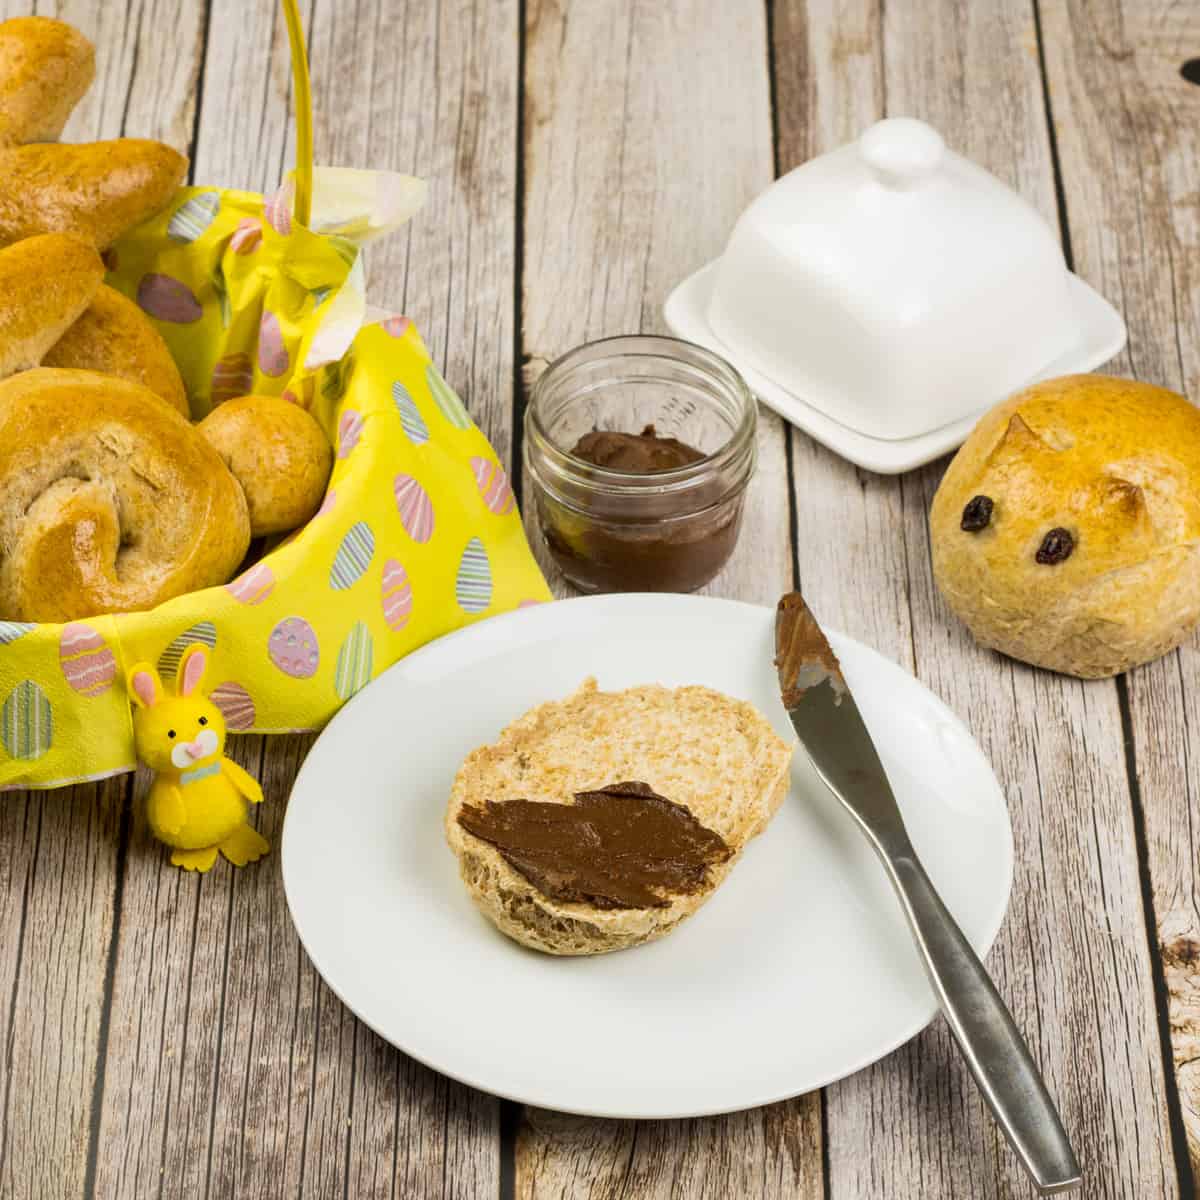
<point x="109" y="500"/>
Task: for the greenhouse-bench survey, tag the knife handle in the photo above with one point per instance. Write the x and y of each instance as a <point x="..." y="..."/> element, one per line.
<point x="985" y="1032"/>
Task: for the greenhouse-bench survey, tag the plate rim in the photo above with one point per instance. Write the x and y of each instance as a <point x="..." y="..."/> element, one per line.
<point x="633" y="1112"/>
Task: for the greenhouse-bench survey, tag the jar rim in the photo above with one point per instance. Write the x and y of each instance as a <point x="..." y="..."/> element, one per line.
<point x="739" y="443"/>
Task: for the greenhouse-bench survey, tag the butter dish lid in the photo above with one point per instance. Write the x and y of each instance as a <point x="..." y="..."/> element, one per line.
<point x="896" y="288"/>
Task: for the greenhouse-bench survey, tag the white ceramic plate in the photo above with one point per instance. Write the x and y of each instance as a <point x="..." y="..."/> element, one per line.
<point x="798" y="971"/>
<point x="686" y="313"/>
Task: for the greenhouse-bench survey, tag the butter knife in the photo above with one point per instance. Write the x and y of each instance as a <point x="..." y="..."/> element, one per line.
<point x="832" y="732"/>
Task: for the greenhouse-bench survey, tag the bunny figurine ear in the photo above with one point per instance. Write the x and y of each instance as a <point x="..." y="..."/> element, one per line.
<point x="192" y="668"/>
<point x="145" y="688"/>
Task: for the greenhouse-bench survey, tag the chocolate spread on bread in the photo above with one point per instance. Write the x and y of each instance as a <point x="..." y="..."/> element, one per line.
<point x="642" y="547"/>
<point x="623" y="846"/>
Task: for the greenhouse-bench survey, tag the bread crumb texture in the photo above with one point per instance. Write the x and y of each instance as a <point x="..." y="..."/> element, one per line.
<point x="717" y="756"/>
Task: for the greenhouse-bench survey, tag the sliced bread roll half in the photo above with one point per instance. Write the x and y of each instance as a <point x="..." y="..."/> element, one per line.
<point x="715" y="757"/>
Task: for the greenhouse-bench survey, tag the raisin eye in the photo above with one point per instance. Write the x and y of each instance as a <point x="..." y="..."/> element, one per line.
<point x="170" y="733"/>
<point x="1056" y="547"/>
<point x="203" y="720"/>
<point x="977" y="514"/>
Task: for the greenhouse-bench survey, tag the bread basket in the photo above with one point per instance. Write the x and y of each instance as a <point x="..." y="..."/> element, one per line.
<point x="417" y="536"/>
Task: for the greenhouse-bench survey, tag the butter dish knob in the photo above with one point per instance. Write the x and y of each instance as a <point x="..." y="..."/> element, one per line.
<point x="901" y="151"/>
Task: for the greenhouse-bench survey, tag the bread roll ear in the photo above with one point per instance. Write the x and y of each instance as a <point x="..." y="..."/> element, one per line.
<point x="45" y="68"/>
<point x="45" y="284"/>
<point x="97" y="191"/>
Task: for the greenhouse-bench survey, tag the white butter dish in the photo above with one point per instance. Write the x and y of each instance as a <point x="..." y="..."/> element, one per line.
<point x="882" y="296"/>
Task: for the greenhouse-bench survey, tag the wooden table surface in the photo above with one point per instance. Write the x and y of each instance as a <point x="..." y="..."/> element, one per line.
<point x="164" y="1035"/>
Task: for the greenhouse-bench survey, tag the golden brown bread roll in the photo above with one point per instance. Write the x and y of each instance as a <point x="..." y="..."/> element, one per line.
<point x="97" y="190"/>
<point x="45" y="68"/>
<point x="109" y="500"/>
<point x="277" y="452"/>
<point x="113" y="336"/>
<point x="1066" y="531"/>
<point x="45" y="283"/>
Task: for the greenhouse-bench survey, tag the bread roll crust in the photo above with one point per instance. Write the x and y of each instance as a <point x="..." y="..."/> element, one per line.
<point x="46" y="66"/>
<point x="113" y="336"/>
<point x="109" y="500"/>
<point x="45" y="284"/>
<point x="717" y="756"/>
<point x="1116" y="464"/>
<point x="279" y="455"/>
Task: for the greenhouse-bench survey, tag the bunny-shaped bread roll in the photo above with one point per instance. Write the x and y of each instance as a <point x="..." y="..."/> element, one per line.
<point x="97" y="190"/>
<point x="197" y="803"/>
<point x="109" y="500"/>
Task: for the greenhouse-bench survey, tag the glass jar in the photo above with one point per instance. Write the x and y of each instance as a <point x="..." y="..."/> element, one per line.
<point x="656" y="530"/>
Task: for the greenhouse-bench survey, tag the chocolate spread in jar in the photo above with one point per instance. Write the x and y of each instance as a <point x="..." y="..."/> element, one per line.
<point x="637" y="453"/>
<point x="636" y="546"/>
<point x="623" y="846"/>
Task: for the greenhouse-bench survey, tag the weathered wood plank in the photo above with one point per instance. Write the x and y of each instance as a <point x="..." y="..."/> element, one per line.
<point x="1126" y="125"/>
<point x="58" y="871"/>
<point x="59" y="851"/>
<point x="233" y="1070"/>
<point x="636" y="165"/>
<point x="637" y="162"/>
<point x="1072" y="958"/>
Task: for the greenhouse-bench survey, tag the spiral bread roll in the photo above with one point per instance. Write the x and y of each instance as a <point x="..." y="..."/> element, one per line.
<point x="96" y="190"/>
<point x="109" y="500"/>
<point x="113" y="336"/>
<point x="45" y="284"/>
<point x="1066" y="532"/>
<point x="279" y="455"/>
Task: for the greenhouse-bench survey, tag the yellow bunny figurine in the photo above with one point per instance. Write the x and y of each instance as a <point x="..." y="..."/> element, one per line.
<point x="197" y="803"/>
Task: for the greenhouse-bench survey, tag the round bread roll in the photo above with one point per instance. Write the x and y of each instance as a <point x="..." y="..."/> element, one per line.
<point x="45" y="68"/>
<point x="278" y="453"/>
<point x="109" y="500"/>
<point x="115" y="337"/>
<point x="1066" y="531"/>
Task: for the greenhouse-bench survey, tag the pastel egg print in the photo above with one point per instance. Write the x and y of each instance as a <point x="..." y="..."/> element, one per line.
<point x="278" y="209"/>
<point x="272" y="354"/>
<point x="236" y="704"/>
<point x="26" y="722"/>
<point x="415" y="508"/>
<point x="11" y="630"/>
<point x="353" y="556"/>
<point x="411" y="420"/>
<point x="397" y="596"/>
<point x="395" y="326"/>
<point x="247" y="236"/>
<point x="473" y="586"/>
<point x="233" y="376"/>
<point x="168" y="299"/>
<point x="88" y="664"/>
<point x="493" y="486"/>
<point x="354" y="662"/>
<point x="293" y="648"/>
<point x="193" y="217"/>
<point x="254" y="585"/>
<point x="449" y="405"/>
<point x="350" y="428"/>
<point x="203" y="632"/>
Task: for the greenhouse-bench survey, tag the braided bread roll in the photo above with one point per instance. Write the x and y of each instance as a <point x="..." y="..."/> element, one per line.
<point x="109" y="500"/>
